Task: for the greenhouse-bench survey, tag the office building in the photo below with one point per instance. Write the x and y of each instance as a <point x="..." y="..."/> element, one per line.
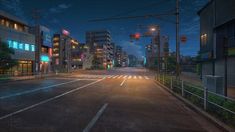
<point x="99" y="42"/>
<point x="217" y="40"/>
<point x="15" y="33"/>
<point x="62" y="51"/>
<point x="43" y="50"/>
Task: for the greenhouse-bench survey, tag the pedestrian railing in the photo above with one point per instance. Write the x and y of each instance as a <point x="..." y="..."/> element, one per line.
<point x="217" y="105"/>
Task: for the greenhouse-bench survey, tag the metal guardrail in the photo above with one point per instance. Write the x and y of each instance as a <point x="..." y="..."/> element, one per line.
<point x="207" y="98"/>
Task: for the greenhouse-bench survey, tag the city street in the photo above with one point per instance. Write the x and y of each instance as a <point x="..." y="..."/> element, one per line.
<point x="118" y="100"/>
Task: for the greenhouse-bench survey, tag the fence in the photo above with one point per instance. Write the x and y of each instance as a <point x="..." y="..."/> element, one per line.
<point x="217" y="105"/>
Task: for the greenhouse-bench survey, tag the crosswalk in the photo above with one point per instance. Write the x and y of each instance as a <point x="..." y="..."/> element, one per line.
<point x="134" y="77"/>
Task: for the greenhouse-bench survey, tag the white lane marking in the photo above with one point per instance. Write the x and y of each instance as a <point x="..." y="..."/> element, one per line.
<point x="129" y="77"/>
<point x="146" y="77"/>
<point x="95" y="118"/>
<point x="115" y="76"/>
<point x="140" y="77"/>
<point x="47" y="100"/>
<point x="110" y="76"/>
<point x="125" y="76"/>
<point x="123" y="82"/>
<point x="134" y="77"/>
<point x="38" y="89"/>
<point x="120" y="76"/>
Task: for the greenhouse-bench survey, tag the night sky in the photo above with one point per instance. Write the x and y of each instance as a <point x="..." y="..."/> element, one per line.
<point x="74" y="15"/>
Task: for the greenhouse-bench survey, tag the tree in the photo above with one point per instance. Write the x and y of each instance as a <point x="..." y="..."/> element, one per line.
<point x="6" y="61"/>
<point x="171" y="63"/>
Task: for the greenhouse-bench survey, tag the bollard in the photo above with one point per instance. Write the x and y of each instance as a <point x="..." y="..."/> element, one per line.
<point x="182" y="88"/>
<point x="205" y="98"/>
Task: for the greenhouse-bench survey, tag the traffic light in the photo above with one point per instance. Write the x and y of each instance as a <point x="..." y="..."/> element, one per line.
<point x="135" y="36"/>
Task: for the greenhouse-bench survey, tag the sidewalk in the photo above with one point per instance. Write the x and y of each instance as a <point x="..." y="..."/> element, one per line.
<point x="21" y="78"/>
<point x="193" y="78"/>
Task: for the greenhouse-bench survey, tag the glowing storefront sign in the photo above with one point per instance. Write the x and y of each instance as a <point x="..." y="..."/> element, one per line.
<point x="65" y="32"/>
<point x="44" y="58"/>
<point x="21" y="46"/>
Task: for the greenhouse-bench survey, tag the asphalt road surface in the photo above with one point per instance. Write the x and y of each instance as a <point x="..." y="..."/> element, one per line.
<point x="119" y="100"/>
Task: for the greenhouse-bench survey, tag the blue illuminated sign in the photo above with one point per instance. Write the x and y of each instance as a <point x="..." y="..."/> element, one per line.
<point x="44" y="58"/>
<point x="21" y="46"/>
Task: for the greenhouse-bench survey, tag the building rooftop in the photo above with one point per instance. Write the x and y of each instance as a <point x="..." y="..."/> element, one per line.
<point x="205" y="6"/>
<point x="12" y="17"/>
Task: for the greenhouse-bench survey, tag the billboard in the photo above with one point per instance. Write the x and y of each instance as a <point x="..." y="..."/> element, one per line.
<point x="46" y="36"/>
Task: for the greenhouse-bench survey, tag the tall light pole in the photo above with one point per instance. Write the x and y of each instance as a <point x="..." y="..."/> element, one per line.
<point x="177" y="41"/>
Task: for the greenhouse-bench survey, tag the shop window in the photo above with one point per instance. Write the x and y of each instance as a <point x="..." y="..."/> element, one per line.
<point x="21" y="46"/>
<point x="33" y="48"/>
<point x="10" y="45"/>
<point x="26" y="47"/>
<point x="15" y="45"/>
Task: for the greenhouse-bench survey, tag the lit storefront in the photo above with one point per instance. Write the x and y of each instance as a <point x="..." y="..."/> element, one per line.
<point x="14" y="32"/>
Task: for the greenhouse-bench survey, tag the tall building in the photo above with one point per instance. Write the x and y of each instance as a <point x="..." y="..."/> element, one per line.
<point x="79" y="54"/>
<point x="100" y="45"/>
<point x="118" y="56"/>
<point x="15" y="33"/>
<point x="151" y="56"/>
<point x="217" y="44"/>
<point x="125" y="60"/>
<point x="133" y="60"/>
<point x="164" y="51"/>
<point x="62" y="51"/>
<point x="43" y="50"/>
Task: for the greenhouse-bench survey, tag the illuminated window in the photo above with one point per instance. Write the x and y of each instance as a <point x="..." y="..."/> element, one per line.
<point x="10" y="44"/>
<point x="2" y="21"/>
<point x="56" y="44"/>
<point x="7" y="23"/>
<point x="15" y="26"/>
<point x="32" y="48"/>
<point x="26" y="47"/>
<point x="15" y="45"/>
<point x="21" y="46"/>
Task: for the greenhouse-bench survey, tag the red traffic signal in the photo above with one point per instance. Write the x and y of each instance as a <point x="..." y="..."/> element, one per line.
<point x="135" y="36"/>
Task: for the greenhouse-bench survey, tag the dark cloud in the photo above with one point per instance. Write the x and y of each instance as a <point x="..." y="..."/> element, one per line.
<point x="59" y="8"/>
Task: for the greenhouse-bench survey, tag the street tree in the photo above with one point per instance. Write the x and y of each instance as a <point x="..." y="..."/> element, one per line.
<point x="6" y="61"/>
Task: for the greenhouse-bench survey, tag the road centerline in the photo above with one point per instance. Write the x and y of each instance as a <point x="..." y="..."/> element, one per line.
<point x="123" y="82"/>
<point x="95" y="118"/>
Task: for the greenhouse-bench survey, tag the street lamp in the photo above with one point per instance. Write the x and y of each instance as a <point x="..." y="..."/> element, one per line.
<point x="152" y="29"/>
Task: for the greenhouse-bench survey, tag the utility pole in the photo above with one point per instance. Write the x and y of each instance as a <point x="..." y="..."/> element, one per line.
<point x="36" y="17"/>
<point x="177" y="42"/>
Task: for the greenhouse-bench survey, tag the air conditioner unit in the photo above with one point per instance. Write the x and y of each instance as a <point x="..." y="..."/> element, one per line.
<point x="214" y="84"/>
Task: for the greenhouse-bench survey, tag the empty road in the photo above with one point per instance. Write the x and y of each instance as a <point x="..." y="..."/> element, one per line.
<point x="119" y="100"/>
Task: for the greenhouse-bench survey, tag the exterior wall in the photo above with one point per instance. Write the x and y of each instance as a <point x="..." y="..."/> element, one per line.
<point x="231" y="71"/>
<point x="207" y="68"/>
<point x="224" y="11"/>
<point x="10" y="34"/>
<point x="100" y="46"/>
<point x="206" y="27"/>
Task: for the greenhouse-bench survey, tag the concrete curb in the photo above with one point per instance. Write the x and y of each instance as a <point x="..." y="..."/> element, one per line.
<point x="29" y="78"/>
<point x="217" y="122"/>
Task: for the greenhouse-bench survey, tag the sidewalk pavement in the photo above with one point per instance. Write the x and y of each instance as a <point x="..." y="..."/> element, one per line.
<point x="193" y="78"/>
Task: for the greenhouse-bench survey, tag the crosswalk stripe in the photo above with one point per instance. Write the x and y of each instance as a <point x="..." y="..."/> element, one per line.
<point x="140" y="77"/>
<point x="115" y="76"/>
<point x="146" y="77"/>
<point x="120" y="76"/>
<point x="134" y="77"/>
<point x="110" y="76"/>
<point x="125" y="76"/>
<point x="129" y="77"/>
